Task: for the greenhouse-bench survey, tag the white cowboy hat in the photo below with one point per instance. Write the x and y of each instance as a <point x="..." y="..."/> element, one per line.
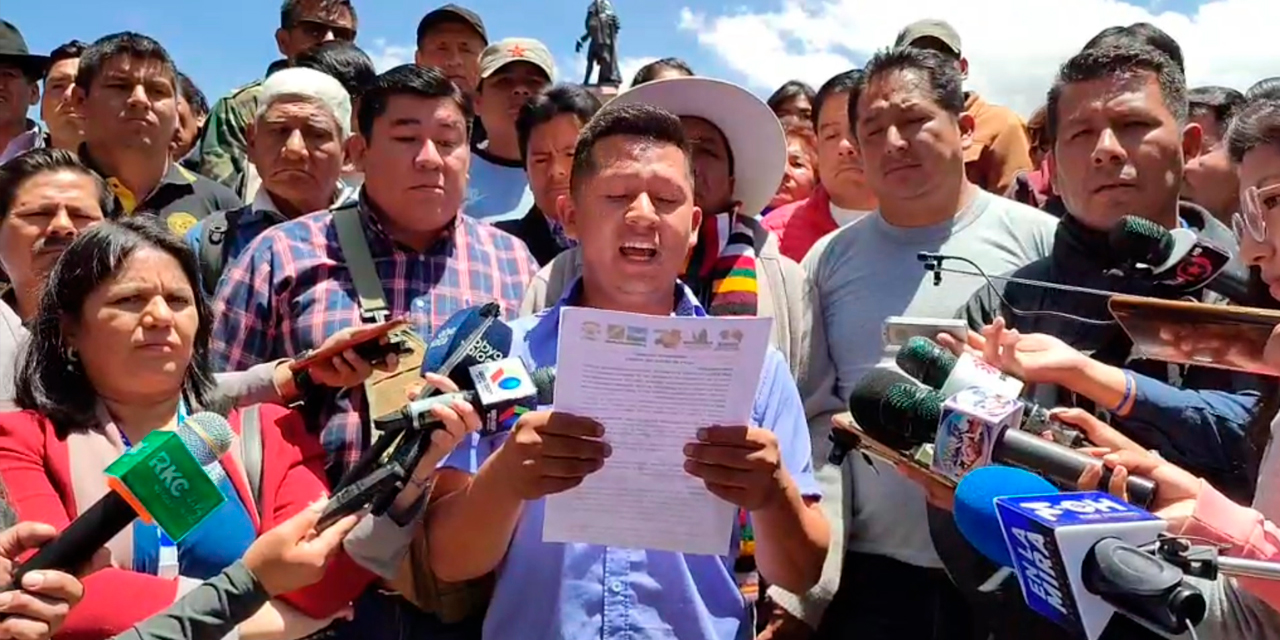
<point x="755" y="137"/>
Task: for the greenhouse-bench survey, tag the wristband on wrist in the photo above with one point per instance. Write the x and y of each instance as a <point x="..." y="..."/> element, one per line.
<point x="1128" y="393"/>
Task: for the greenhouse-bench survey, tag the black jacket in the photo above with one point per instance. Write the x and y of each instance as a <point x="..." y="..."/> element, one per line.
<point x="1081" y="258"/>
<point x="536" y="234"/>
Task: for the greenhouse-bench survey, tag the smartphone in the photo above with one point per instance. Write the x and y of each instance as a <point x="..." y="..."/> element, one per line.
<point x="365" y="341"/>
<point x="899" y="329"/>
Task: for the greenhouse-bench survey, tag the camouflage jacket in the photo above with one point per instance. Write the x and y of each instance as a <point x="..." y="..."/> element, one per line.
<point x="223" y="149"/>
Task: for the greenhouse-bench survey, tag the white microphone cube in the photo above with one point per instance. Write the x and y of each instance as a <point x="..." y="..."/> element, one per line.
<point x="500" y="381"/>
<point x="971" y="422"/>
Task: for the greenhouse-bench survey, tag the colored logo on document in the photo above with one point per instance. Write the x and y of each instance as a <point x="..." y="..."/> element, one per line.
<point x="503" y="381"/>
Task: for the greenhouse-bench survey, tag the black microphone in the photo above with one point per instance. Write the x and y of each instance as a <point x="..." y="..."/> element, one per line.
<point x="896" y="411"/>
<point x="162" y="479"/>
<point x="1179" y="259"/>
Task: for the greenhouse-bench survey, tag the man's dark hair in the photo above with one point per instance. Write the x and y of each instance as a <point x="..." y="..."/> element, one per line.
<point x="193" y="95"/>
<point x="562" y="99"/>
<point x="344" y="61"/>
<point x="57" y="386"/>
<point x="1264" y="89"/>
<point x="790" y="90"/>
<point x="646" y="122"/>
<point x="1219" y="103"/>
<point x="843" y="82"/>
<point x="14" y="173"/>
<point x="939" y="73"/>
<point x="127" y="43"/>
<point x="291" y="11"/>
<point x="1140" y="33"/>
<point x="650" y="71"/>
<point x="1118" y="61"/>
<point x="1257" y="125"/>
<point x="67" y="51"/>
<point x="408" y="80"/>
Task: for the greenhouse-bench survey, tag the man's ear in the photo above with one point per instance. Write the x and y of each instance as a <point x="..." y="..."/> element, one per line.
<point x="695" y="227"/>
<point x="250" y="132"/>
<point x="282" y="41"/>
<point x="964" y="68"/>
<point x="1192" y="141"/>
<point x="34" y="98"/>
<point x="567" y="214"/>
<point x="967" y="125"/>
<point x="355" y="149"/>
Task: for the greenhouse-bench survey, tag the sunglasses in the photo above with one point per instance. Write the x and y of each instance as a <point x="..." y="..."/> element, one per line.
<point x="1255" y="206"/>
<point x="317" y="30"/>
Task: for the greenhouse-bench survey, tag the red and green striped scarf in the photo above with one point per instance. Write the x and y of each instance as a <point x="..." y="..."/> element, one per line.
<point x="722" y="267"/>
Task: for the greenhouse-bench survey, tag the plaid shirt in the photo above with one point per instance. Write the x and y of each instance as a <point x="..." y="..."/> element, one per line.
<point x="291" y="289"/>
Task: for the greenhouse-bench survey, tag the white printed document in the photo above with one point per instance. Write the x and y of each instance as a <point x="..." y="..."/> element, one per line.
<point x="652" y="381"/>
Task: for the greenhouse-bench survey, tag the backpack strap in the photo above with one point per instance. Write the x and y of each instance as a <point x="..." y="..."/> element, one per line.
<point x="251" y="452"/>
<point x="213" y="249"/>
<point x="355" y="248"/>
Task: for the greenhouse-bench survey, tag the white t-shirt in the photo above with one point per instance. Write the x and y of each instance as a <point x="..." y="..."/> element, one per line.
<point x="845" y="217"/>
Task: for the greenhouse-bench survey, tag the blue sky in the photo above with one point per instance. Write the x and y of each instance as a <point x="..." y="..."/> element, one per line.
<point x="227" y="43"/>
<point x="758" y="43"/>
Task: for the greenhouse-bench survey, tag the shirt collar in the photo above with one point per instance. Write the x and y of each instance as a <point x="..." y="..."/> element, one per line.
<point x="381" y="241"/>
<point x="129" y="202"/>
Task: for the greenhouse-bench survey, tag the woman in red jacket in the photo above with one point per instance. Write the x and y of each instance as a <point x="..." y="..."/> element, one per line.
<point x="120" y="349"/>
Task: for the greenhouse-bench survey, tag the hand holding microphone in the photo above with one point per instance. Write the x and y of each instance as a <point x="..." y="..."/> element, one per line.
<point x="294" y="555"/>
<point x="1177" y="490"/>
<point x="37" y="610"/>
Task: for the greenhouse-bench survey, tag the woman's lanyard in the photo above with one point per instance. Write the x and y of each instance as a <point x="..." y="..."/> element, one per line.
<point x="167" y="557"/>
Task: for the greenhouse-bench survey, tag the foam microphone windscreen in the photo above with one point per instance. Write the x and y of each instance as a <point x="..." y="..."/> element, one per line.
<point x="926" y="361"/>
<point x="895" y="410"/>
<point x="975" y="506"/>
<point x="208" y="436"/>
<point x="472" y="336"/>
<point x="1141" y="241"/>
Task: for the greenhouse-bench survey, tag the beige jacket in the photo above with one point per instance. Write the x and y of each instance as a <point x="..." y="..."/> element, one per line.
<point x="787" y="297"/>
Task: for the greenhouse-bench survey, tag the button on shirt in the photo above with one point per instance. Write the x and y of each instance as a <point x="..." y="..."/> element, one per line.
<point x="181" y="199"/>
<point x="291" y="289"/>
<point x="554" y="591"/>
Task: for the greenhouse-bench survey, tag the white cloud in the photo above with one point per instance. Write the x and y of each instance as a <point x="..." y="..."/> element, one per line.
<point x="1014" y="46"/>
<point x="388" y="56"/>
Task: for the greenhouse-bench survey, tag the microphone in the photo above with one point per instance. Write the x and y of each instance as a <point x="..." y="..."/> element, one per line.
<point x="1075" y="554"/>
<point x="969" y="430"/>
<point x="935" y="366"/>
<point x="160" y="480"/>
<point x="1178" y="259"/>
<point x="500" y="391"/>
<point x="469" y="337"/>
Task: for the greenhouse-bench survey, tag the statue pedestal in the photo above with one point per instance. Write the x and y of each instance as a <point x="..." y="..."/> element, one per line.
<point x="604" y="91"/>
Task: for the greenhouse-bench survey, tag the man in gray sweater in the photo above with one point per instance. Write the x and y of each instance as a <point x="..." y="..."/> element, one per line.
<point x="909" y="121"/>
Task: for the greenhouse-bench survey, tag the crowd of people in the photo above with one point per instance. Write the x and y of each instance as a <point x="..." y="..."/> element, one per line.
<point x="164" y="257"/>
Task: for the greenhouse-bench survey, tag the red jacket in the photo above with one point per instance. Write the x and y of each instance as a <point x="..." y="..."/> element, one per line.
<point x="35" y="468"/>
<point x="801" y="224"/>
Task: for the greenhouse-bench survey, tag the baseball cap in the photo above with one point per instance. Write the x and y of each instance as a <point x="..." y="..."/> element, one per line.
<point x="930" y="28"/>
<point x="752" y="130"/>
<point x="505" y="52"/>
<point x="452" y="13"/>
<point x="308" y="83"/>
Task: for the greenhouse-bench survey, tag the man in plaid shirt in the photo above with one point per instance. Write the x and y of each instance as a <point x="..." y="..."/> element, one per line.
<point x="292" y="287"/>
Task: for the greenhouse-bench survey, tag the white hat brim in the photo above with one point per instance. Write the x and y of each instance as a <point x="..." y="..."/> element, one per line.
<point x="751" y="128"/>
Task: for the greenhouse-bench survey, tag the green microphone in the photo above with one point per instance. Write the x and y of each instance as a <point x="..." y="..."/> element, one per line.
<point x="159" y="480"/>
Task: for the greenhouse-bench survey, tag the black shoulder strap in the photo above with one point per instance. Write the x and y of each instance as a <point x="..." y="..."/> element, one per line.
<point x="251" y="451"/>
<point x="213" y="249"/>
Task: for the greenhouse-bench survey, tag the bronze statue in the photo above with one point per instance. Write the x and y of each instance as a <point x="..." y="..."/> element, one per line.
<point x="602" y="31"/>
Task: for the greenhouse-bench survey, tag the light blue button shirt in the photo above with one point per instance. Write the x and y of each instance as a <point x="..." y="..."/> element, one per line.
<point x="554" y="591"/>
<point x="496" y="192"/>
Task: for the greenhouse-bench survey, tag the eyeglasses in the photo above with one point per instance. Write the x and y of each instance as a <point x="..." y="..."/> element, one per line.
<point x="1255" y="206"/>
<point x="317" y="30"/>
